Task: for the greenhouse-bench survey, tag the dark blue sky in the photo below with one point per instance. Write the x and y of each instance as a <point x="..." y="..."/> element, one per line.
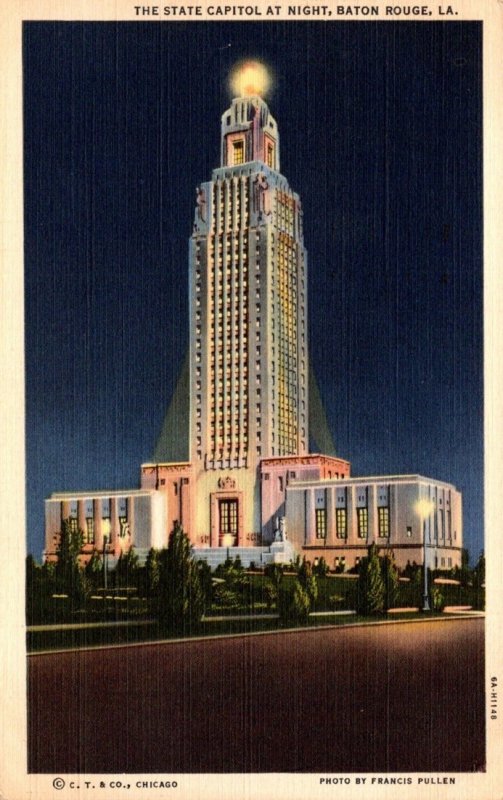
<point x="380" y="127"/>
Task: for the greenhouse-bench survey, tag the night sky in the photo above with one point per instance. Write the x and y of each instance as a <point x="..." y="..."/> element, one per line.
<point x="380" y="127"/>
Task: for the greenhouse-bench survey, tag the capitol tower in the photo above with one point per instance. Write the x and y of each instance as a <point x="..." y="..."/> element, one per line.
<point x="248" y="312"/>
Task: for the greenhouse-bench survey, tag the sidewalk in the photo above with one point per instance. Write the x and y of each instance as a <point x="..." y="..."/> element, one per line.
<point x="237" y="617"/>
<point x="80" y="626"/>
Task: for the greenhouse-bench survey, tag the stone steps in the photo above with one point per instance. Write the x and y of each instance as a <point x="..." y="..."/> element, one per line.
<point x="218" y="555"/>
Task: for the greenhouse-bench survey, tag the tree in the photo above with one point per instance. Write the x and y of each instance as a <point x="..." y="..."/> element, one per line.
<point x="40" y="585"/>
<point x="417" y="584"/>
<point x="206" y="581"/>
<point x="94" y="570"/>
<point x="68" y="574"/>
<point x="150" y="574"/>
<point x="464" y="573"/>
<point x="269" y="593"/>
<point x="275" y="574"/>
<point x="390" y="579"/>
<point x="370" y="589"/>
<point x="31" y="568"/>
<point x="308" y="581"/>
<point x="126" y="569"/>
<point x="479" y="573"/>
<point x="479" y="582"/>
<point x="181" y="599"/>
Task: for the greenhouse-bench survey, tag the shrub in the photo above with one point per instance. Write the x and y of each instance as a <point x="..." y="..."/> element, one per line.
<point x="321" y="568"/>
<point x="269" y="593"/>
<point x="206" y="582"/>
<point x="274" y="572"/>
<point x="418" y="587"/>
<point x="293" y="603"/>
<point x="225" y="597"/>
<point x="231" y="571"/>
<point x="336" y="601"/>
<point x="295" y="564"/>
<point x="437" y="599"/>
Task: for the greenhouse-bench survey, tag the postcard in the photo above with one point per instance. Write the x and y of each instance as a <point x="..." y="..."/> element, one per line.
<point x="251" y="405"/>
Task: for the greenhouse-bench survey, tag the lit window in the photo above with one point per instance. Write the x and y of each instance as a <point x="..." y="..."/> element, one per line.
<point x="341" y="523"/>
<point x="321" y="523"/>
<point x="238" y="152"/>
<point x="89" y="535"/>
<point x="383" y="521"/>
<point x="363" y="522"/>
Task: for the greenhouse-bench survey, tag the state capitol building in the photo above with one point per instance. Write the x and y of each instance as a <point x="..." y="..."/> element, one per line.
<point x="242" y="411"/>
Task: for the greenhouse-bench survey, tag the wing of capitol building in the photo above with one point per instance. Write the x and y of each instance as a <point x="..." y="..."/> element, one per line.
<point x="232" y="465"/>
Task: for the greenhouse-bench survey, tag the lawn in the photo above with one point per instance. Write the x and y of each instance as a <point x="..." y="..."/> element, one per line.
<point x="137" y="621"/>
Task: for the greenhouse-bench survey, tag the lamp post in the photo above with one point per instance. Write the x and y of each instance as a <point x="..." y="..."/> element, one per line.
<point x="105" y="571"/>
<point x="424" y="507"/>
<point x="227" y="542"/>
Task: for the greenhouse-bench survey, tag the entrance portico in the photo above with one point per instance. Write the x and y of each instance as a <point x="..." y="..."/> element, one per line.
<point x="226" y="515"/>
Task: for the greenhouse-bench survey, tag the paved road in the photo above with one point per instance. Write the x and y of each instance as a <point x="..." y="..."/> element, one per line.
<point x="394" y="698"/>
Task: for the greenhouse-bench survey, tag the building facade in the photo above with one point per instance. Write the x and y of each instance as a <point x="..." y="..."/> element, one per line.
<point x="110" y="522"/>
<point x="411" y="515"/>
<point x="250" y="485"/>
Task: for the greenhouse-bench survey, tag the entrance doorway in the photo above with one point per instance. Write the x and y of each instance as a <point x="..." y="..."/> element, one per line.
<point x="228" y="523"/>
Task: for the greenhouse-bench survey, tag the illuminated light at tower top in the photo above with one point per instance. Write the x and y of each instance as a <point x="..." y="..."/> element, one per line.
<point x="249" y="78"/>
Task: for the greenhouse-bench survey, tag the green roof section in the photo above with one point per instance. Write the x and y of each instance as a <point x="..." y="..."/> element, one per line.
<point x="173" y="442"/>
<point x="319" y="432"/>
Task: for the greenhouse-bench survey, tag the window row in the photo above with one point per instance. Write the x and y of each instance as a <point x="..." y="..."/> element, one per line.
<point x="362" y="519"/>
